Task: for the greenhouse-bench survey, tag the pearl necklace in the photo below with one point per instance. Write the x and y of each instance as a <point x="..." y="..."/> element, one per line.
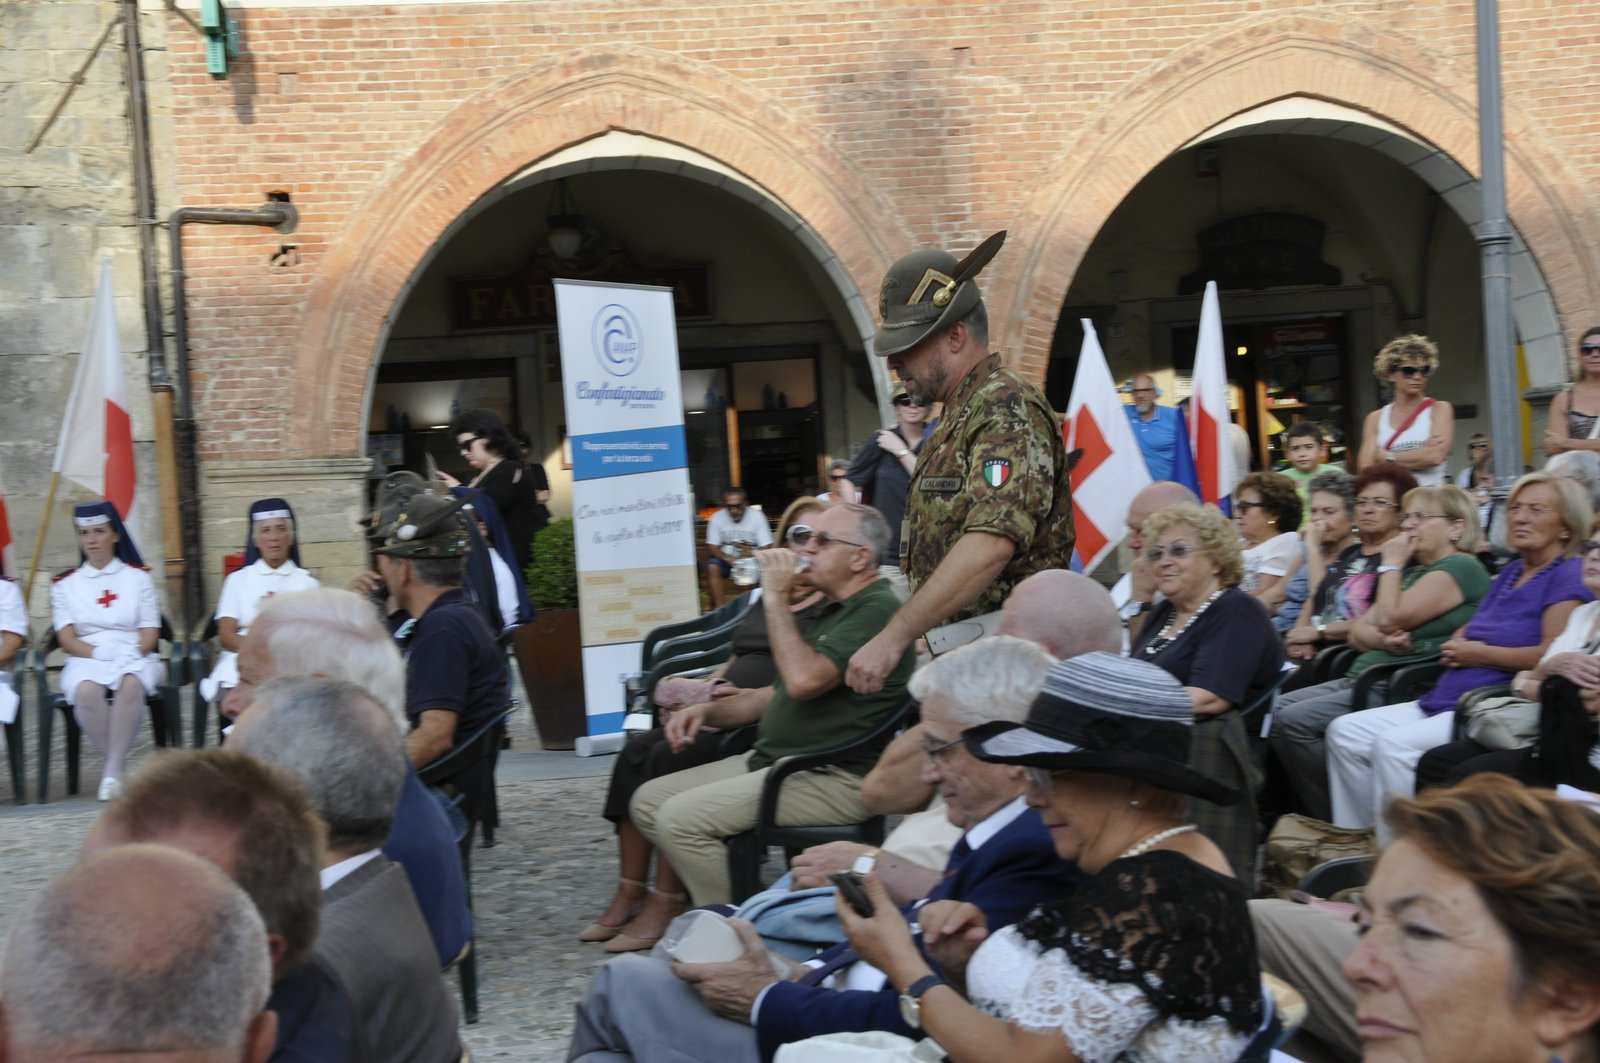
<point x="1157" y="838"/>
<point x="1167" y="636"/>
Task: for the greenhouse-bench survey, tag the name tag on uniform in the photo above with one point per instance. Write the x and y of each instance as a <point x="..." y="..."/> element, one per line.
<point x="948" y="485"/>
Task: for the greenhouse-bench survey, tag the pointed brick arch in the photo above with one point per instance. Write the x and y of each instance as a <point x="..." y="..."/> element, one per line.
<point x="1234" y="73"/>
<point x="494" y="136"/>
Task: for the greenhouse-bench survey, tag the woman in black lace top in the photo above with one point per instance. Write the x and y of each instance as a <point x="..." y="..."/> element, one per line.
<point x="1153" y="957"/>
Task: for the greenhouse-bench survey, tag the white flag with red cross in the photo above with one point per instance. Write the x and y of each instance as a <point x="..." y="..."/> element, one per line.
<point x="1111" y="470"/>
<point x="1209" y="436"/>
<point x="96" y="444"/>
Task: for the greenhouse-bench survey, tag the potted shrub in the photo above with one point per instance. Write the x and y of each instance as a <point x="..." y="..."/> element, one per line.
<point x="550" y="649"/>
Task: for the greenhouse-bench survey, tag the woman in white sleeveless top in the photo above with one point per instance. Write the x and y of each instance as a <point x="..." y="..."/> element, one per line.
<point x="1413" y="431"/>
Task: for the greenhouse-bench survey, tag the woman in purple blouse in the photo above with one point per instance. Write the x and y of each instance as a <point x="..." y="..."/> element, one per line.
<point x="1374" y="754"/>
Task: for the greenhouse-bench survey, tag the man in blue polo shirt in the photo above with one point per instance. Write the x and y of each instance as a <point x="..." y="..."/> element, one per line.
<point x="1155" y="427"/>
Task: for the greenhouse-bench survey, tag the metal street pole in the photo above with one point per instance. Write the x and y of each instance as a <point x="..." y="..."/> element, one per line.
<point x="1494" y="240"/>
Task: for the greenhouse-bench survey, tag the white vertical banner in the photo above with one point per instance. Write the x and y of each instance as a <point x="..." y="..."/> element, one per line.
<point x="633" y="514"/>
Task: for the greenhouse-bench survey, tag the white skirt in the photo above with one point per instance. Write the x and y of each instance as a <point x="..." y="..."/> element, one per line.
<point x="146" y="669"/>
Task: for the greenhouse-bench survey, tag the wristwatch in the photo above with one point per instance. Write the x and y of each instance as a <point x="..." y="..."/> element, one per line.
<point x="1320" y="625"/>
<point x="902" y="453"/>
<point x="1133" y="608"/>
<point x="1388" y="568"/>
<point x="865" y="862"/>
<point x="911" y="999"/>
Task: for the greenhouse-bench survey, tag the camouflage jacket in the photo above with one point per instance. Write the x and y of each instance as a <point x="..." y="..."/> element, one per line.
<point x="994" y="463"/>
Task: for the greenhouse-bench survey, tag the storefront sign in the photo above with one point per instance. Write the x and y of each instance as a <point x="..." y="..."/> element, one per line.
<point x="633" y="514"/>
<point x="526" y="298"/>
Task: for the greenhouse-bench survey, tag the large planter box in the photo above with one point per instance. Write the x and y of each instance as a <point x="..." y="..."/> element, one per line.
<point x="550" y="656"/>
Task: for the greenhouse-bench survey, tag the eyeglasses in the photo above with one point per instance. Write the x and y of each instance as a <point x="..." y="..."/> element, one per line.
<point x="1418" y="518"/>
<point x="1590" y="348"/>
<point x="1177" y="551"/>
<point x="802" y="534"/>
<point x="1376" y="503"/>
<point x="1245" y="507"/>
<point x="1413" y="370"/>
<point x="1532" y="509"/>
<point x="1588" y="548"/>
<point x="905" y="400"/>
<point x="937" y="754"/>
<point x="1485" y="446"/>
<point x="465" y="445"/>
<point x="1042" y="780"/>
<point x="836" y="476"/>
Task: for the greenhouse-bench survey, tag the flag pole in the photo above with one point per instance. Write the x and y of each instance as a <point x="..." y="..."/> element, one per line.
<point x="38" y="542"/>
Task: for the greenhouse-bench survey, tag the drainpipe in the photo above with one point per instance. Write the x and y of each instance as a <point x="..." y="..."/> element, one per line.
<point x="1494" y="242"/>
<point x="175" y="566"/>
<point x="278" y="213"/>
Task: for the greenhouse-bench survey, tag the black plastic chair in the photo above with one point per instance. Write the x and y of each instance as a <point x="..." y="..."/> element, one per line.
<point x="1332" y="876"/>
<point x="1406" y="679"/>
<point x="686" y="636"/>
<point x="14" y="750"/>
<point x="1255" y="714"/>
<point x="746" y="851"/>
<point x="1332" y="663"/>
<point x="485" y="742"/>
<point x="198" y="662"/>
<point x="165" y="705"/>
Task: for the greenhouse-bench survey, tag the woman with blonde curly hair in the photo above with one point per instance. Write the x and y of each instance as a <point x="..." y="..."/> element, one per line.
<point x="1481" y="929"/>
<point x="1220" y="644"/>
<point x="1413" y="430"/>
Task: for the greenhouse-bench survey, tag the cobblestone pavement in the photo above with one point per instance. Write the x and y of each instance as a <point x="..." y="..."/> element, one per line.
<point x="549" y="874"/>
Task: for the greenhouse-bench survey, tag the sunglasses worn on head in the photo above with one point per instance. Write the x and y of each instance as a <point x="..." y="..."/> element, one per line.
<point x="1413" y="370"/>
<point x="801" y="534"/>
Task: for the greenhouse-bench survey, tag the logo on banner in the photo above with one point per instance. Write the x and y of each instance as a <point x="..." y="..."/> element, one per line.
<point x="996" y="471"/>
<point x="617" y="339"/>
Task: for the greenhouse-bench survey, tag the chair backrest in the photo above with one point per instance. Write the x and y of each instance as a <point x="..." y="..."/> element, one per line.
<point x="485" y="741"/>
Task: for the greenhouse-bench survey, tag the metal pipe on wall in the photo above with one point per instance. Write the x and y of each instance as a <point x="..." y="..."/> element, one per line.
<point x="1494" y="242"/>
<point x="175" y="561"/>
<point x="278" y="214"/>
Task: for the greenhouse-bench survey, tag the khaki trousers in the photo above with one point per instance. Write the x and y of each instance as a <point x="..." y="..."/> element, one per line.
<point x="688" y="813"/>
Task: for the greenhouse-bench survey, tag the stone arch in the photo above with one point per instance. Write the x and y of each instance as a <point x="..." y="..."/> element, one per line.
<point x="1225" y="80"/>
<point x="530" y="117"/>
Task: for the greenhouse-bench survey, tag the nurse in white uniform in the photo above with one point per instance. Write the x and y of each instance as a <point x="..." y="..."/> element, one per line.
<point x="107" y="621"/>
<point x="271" y="567"/>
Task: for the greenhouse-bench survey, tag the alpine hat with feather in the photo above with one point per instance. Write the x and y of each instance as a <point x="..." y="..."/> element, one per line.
<point x="927" y="291"/>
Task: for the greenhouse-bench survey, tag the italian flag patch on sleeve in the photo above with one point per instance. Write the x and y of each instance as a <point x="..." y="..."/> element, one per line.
<point x="996" y="471"/>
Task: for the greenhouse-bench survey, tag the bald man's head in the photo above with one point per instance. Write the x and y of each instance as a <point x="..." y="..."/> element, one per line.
<point x="1158" y="495"/>
<point x="1064" y="612"/>
<point x="138" y="949"/>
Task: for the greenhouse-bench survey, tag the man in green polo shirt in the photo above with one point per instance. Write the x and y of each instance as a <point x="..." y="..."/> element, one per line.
<point x="808" y="707"/>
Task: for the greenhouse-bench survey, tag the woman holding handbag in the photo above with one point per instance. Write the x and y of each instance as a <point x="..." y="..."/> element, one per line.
<point x="1413" y="431"/>
<point x="1574" y="654"/>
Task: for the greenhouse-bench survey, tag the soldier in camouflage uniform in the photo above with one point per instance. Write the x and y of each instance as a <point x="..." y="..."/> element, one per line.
<point x="989" y="503"/>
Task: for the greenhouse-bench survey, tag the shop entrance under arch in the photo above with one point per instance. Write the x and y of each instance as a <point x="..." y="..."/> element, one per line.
<point x="1329" y="231"/>
<point x="771" y="330"/>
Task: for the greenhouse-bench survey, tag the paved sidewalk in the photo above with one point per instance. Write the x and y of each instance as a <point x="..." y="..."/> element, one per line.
<point x="549" y="875"/>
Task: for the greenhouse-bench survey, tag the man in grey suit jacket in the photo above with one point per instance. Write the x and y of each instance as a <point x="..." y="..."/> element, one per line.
<point x="373" y="942"/>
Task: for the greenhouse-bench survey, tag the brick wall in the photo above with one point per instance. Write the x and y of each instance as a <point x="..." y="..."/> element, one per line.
<point x="882" y="126"/>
